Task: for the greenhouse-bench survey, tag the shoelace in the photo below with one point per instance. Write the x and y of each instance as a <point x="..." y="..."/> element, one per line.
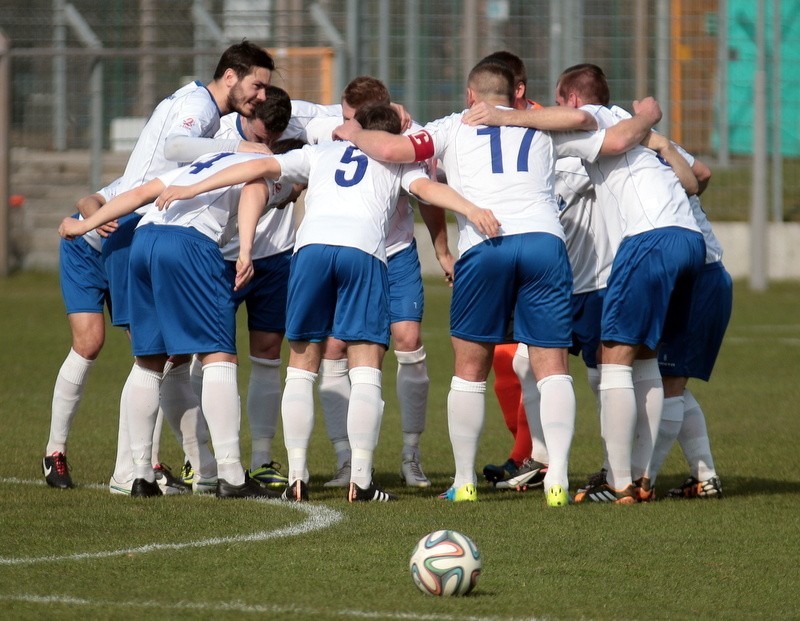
<point x="62" y="467"/>
<point x="416" y="470"/>
<point x="186" y="470"/>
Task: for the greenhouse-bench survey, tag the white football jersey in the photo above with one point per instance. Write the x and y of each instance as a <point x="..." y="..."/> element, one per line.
<point x="401" y="223"/>
<point x="638" y="184"/>
<point x="275" y="229"/>
<point x="713" y="245"/>
<point x="349" y="198"/>
<point x="592" y="235"/>
<point x="110" y="191"/>
<point x="509" y="170"/>
<point x="189" y="111"/>
<point x="211" y="212"/>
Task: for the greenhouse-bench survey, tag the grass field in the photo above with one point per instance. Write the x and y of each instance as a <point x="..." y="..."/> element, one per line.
<point x="86" y="554"/>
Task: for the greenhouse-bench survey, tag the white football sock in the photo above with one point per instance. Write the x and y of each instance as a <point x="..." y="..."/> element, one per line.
<point x="334" y="397"/>
<point x="364" y="421"/>
<point x="180" y="405"/>
<point x="196" y="376"/>
<point x="297" y="409"/>
<point x="221" y="410"/>
<point x="593" y="377"/>
<point x="142" y="410"/>
<point x="123" y="467"/>
<point x="412" y="396"/>
<point x="694" y="441"/>
<point x="558" y="425"/>
<point x="649" y="391"/>
<point x="531" y="401"/>
<point x="263" y="408"/>
<point x="617" y="421"/>
<point x="67" y="395"/>
<point x="156" y="449"/>
<point x="466" y="407"/>
<point x="668" y="430"/>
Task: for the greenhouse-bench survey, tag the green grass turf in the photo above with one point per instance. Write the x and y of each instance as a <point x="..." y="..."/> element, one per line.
<point x="731" y="559"/>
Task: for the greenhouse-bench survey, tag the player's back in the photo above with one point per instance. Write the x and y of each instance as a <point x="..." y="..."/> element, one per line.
<point x="349" y="197"/>
<point x="509" y="170"/>
<point x="638" y="183"/>
<point x="189" y="111"/>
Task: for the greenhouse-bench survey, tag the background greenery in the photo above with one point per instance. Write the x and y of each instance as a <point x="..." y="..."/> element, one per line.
<point x="731" y="559"/>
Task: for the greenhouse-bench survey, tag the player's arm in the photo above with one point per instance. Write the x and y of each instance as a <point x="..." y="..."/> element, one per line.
<point x="446" y="197"/>
<point x="435" y="220"/>
<point x="261" y="168"/>
<point x="383" y="146"/>
<point x="252" y="200"/>
<point x="88" y="205"/>
<point x="703" y="175"/>
<point x="120" y="205"/>
<point x="549" y="118"/>
<point x="664" y="147"/>
<point x="629" y="132"/>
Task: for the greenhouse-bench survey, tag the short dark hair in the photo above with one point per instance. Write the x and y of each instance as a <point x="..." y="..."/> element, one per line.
<point x="286" y="145"/>
<point x="275" y="111"/>
<point x="242" y="57"/>
<point x="588" y="81"/>
<point x="381" y="117"/>
<point x="492" y="79"/>
<point x="365" y="90"/>
<point x="513" y="62"/>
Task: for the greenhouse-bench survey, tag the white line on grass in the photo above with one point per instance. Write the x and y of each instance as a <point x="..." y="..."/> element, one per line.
<point x="241" y="607"/>
<point x="317" y="518"/>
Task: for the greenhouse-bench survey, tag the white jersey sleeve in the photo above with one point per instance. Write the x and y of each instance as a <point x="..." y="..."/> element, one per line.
<point x="189" y="112"/>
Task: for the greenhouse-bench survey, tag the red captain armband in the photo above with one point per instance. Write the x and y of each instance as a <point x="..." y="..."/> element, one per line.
<point x="423" y="145"/>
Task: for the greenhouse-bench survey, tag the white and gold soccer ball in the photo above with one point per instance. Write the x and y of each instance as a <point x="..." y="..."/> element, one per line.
<point x="445" y="562"/>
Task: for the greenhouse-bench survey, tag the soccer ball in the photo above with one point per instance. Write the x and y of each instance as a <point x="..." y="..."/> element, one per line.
<point x="445" y="562"/>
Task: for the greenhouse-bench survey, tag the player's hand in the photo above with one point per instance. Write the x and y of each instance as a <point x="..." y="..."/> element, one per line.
<point x="484" y="221"/>
<point x="482" y="113"/>
<point x="246" y="146"/>
<point x="649" y="108"/>
<point x="405" y="117"/>
<point x="106" y="229"/>
<point x="244" y="272"/>
<point x="448" y="263"/>
<point x="174" y="193"/>
<point x="71" y="228"/>
<point x="346" y="130"/>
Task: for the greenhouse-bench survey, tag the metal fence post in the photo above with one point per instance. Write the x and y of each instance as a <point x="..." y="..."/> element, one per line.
<point x="5" y="121"/>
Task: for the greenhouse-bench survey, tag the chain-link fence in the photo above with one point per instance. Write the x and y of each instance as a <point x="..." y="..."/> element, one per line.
<point x="77" y="67"/>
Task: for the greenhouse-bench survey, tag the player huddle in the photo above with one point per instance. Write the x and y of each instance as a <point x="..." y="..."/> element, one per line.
<point x="576" y="232"/>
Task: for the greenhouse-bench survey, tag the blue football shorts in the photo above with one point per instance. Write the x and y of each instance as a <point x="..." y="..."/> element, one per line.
<point x="525" y="276"/>
<point x="650" y="287"/>
<point x="587" y="313"/>
<point x="181" y="300"/>
<point x="84" y="286"/>
<point x="116" y="253"/>
<point x="265" y="295"/>
<point x="406" y="294"/>
<point x="337" y="291"/>
<point x="692" y="353"/>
